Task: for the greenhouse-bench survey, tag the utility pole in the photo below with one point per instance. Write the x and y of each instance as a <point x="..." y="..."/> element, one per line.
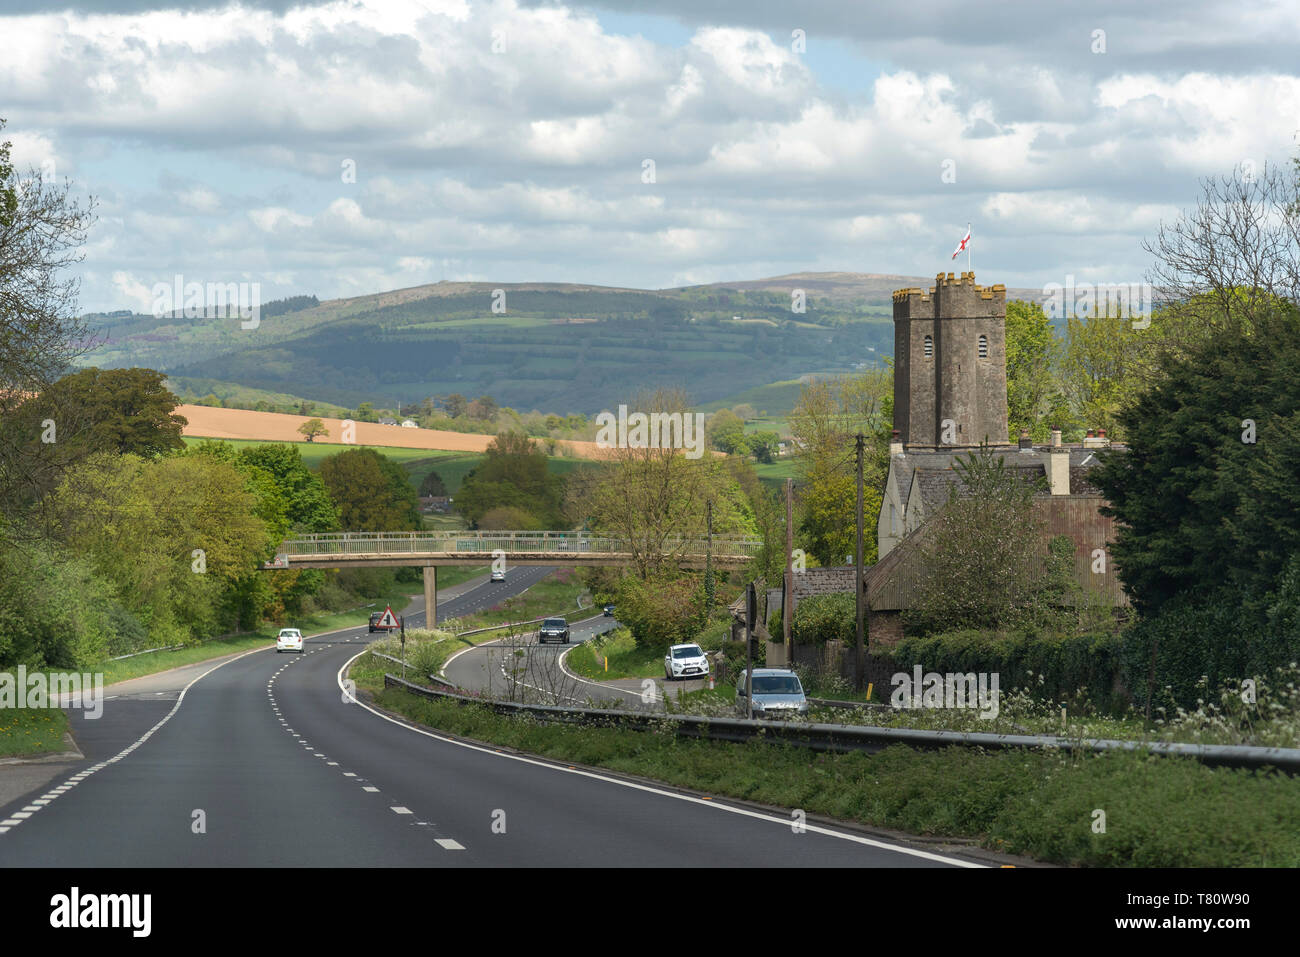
<point x="751" y="605"/>
<point x="787" y="600"/>
<point x="857" y="576"/>
<point x="708" y="566"/>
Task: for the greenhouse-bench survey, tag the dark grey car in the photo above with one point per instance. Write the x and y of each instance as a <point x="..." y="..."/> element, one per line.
<point x="553" y="629"/>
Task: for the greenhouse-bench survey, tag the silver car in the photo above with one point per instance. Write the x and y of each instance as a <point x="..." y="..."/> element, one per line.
<point x="777" y="694"/>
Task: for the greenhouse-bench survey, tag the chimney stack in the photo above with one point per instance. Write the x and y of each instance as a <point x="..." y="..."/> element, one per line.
<point x="895" y="444"/>
<point x="1058" y="471"/>
<point x="1026" y="444"/>
<point x="1056" y="438"/>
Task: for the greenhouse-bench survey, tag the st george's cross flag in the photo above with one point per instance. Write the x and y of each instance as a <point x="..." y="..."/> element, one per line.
<point x="961" y="246"/>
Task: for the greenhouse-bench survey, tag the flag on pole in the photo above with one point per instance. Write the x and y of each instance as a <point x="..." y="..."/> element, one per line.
<point x="962" y="246"/>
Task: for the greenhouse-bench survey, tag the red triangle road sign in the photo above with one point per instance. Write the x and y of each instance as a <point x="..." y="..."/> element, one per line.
<point x="389" y="620"/>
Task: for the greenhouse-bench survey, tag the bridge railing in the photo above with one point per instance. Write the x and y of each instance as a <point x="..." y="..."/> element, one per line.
<point x="460" y="542"/>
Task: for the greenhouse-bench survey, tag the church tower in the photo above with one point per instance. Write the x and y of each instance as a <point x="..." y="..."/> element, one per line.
<point x="950" y="363"/>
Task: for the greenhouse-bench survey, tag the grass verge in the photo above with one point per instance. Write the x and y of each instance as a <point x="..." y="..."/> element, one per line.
<point x="626" y="658"/>
<point x="551" y="596"/>
<point x="452" y="575"/>
<point x="1159" y="812"/>
<point x="31" y="731"/>
<point x="152" y="663"/>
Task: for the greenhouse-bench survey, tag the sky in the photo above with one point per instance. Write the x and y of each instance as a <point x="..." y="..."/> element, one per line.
<point x="356" y="146"/>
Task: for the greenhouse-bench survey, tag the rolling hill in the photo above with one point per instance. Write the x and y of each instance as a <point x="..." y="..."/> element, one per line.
<point x="555" y="347"/>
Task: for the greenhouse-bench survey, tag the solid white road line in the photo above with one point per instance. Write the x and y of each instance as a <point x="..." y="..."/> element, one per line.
<point x="744" y="812"/>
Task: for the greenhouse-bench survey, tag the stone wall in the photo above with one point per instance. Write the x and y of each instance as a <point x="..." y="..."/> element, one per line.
<point x="822" y="581"/>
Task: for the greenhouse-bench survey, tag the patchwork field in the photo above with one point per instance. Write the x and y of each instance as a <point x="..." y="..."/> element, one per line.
<point x="213" y="423"/>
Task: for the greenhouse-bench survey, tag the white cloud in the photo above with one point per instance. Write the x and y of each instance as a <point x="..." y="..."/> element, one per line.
<point x="216" y="137"/>
<point x="135" y="294"/>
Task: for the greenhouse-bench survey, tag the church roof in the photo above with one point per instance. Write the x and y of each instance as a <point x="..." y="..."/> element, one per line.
<point x="937" y="465"/>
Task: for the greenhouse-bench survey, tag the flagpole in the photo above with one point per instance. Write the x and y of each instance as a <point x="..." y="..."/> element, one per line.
<point x="970" y="269"/>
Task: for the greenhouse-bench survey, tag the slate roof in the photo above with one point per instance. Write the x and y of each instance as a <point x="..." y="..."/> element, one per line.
<point x="935" y="485"/>
<point x="936" y="460"/>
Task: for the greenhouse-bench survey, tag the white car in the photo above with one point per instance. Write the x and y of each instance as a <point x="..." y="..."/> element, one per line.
<point x="289" y="639"/>
<point x="685" y="661"/>
<point x="497" y="576"/>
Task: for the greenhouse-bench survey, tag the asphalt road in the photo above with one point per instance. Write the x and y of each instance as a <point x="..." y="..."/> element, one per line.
<point x="262" y="761"/>
<point x="488" y="668"/>
<point x="541" y="671"/>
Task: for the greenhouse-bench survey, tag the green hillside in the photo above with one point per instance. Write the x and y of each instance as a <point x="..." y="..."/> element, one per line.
<point x="233" y="395"/>
<point x="557" y="347"/>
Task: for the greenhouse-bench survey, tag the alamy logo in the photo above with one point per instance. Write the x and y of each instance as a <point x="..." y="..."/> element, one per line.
<point x="102" y="910"/>
<point x="1110" y="299"/>
<point x="654" y="430"/>
<point x="216" y="300"/>
<point x="58" y="689"/>
<point x="951" y="690"/>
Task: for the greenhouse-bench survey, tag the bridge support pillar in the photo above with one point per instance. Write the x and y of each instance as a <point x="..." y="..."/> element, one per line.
<point x="431" y="595"/>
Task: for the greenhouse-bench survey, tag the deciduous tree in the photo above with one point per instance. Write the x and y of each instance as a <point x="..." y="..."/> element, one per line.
<point x="371" y="491"/>
<point x="312" y="428"/>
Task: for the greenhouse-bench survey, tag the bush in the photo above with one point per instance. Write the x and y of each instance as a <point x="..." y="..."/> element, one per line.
<point x="426" y="657"/>
<point x="1210" y="638"/>
<point x="54" y="610"/>
<point x="126" y="632"/>
<point x="822" y="618"/>
<point x="1053" y="668"/>
<point x="662" y="612"/>
<point x="715" y="634"/>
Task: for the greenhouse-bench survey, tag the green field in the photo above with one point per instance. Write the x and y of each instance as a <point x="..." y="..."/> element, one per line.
<point x="313" y="452"/>
<point x="451" y="466"/>
<point x="778" y="471"/>
<point x="775" y="399"/>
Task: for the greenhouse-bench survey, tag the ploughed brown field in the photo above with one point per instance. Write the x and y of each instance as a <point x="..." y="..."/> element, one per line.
<point x="211" y="423"/>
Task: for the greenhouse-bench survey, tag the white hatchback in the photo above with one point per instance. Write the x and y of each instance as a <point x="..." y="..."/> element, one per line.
<point x="685" y="661"/>
<point x="289" y="639"/>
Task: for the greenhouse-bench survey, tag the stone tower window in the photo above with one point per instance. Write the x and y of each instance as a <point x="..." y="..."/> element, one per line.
<point x="929" y="347"/>
<point x="984" y="347"/>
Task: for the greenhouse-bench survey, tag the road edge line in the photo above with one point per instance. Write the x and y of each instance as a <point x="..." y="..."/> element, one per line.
<point x="565" y="769"/>
<point x="82" y="775"/>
